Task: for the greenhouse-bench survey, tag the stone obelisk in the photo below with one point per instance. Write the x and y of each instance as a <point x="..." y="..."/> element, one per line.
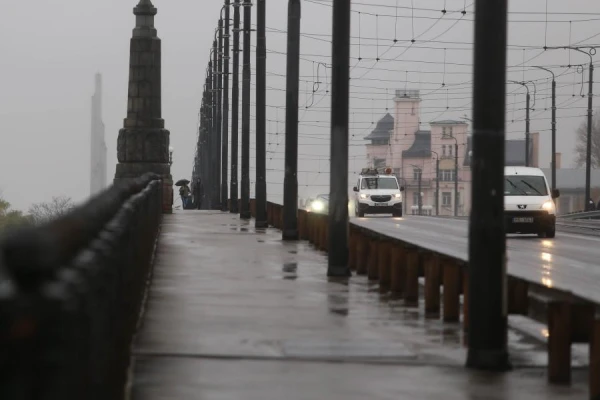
<point x="143" y="144"/>
<point x="98" y="144"/>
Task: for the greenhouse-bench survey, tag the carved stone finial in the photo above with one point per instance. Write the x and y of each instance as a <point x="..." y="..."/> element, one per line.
<point x="145" y="7"/>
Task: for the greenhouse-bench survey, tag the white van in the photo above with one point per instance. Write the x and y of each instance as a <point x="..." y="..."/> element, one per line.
<point x="377" y="193"/>
<point x="528" y="202"/>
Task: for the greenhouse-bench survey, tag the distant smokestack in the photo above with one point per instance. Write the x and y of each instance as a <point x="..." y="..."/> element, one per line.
<point x="558" y="161"/>
<point x="98" y="144"/>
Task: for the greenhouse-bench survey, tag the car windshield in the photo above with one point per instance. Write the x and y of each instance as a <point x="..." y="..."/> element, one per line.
<point x="522" y="185"/>
<point x="379" y="183"/>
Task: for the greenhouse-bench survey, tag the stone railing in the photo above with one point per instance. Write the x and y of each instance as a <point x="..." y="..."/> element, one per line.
<point x="71" y="293"/>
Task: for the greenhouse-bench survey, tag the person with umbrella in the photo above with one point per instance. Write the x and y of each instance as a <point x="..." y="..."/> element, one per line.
<point x="184" y="192"/>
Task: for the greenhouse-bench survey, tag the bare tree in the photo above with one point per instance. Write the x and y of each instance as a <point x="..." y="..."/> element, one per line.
<point x="44" y="212"/>
<point x="10" y="218"/>
<point x="581" y="148"/>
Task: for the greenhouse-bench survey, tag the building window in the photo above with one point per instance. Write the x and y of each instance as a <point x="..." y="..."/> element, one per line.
<point x="446" y="199"/>
<point x="416" y="198"/>
<point x="417" y="174"/>
<point x="446" y="132"/>
<point x="443" y="150"/>
<point x="450" y="151"/>
<point x="447" y="175"/>
<point x="379" y="162"/>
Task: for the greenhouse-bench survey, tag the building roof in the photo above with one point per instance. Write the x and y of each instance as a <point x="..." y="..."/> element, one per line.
<point x="572" y="179"/>
<point x="384" y="128"/>
<point x="448" y="122"/>
<point x="514" y="152"/>
<point x="421" y="147"/>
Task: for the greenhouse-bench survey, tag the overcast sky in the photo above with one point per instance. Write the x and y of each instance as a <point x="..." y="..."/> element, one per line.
<point x="51" y="51"/>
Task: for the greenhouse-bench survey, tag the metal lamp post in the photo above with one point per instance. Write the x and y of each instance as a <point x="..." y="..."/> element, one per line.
<point x="553" y="127"/>
<point x="437" y="183"/>
<point x="588" y="156"/>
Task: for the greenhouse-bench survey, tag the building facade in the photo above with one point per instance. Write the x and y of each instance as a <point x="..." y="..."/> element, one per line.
<point x="400" y="143"/>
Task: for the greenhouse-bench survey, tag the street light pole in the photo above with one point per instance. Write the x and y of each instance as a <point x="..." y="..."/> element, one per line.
<point x="290" y="181"/>
<point x="488" y="320"/>
<point x="437" y="183"/>
<point x="588" y="155"/>
<point x="225" y="143"/>
<point x="337" y="264"/>
<point x="524" y="84"/>
<point x="553" y="162"/>
<point x="245" y="212"/>
<point x="455" y="177"/>
<point x="261" y="93"/>
<point x="235" y="106"/>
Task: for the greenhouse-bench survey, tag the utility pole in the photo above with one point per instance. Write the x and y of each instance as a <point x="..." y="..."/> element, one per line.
<point x="437" y="183"/>
<point x="588" y="155"/>
<point x="553" y="162"/>
<point x="216" y="148"/>
<point x="235" y="97"/>
<point x="219" y="113"/>
<point x="210" y="133"/>
<point x="487" y="306"/>
<point x="290" y="182"/>
<point x="261" y="117"/>
<point x="338" y="178"/>
<point x="456" y="195"/>
<point x="225" y="148"/>
<point x="420" y="192"/>
<point x="245" y="195"/>
<point x="527" y="121"/>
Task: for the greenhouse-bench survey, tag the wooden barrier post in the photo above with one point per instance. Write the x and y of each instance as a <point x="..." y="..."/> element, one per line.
<point x="465" y="286"/>
<point x="433" y="281"/>
<point x="352" y="250"/>
<point x="518" y="296"/>
<point x="411" y="294"/>
<point x="398" y="270"/>
<point x="373" y="266"/>
<point x="362" y="253"/>
<point x="452" y="283"/>
<point x="384" y="265"/>
<point x="594" y="379"/>
<point x="559" y="342"/>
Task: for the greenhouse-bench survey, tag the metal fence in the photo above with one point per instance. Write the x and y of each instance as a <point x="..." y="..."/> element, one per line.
<point x="71" y="293"/>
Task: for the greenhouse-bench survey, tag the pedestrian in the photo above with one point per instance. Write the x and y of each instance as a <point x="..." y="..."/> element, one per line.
<point x="184" y="192"/>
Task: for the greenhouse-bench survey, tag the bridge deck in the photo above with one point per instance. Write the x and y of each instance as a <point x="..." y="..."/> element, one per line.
<point x="568" y="263"/>
<point x="238" y="314"/>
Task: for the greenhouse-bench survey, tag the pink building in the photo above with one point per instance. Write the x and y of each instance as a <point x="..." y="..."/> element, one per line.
<point x="399" y="143"/>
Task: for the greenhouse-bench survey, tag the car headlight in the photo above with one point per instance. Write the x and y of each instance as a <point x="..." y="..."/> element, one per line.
<point x="397" y="195"/>
<point x="364" y="196"/>
<point x="318" y="206"/>
<point x="548" y="206"/>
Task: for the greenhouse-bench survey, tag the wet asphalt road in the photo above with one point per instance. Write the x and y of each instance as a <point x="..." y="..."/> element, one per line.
<point x="570" y="262"/>
<point x="238" y="314"/>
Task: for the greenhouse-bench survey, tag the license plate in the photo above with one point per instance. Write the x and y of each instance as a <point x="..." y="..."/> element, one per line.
<point x="523" y="220"/>
<point x="381" y="204"/>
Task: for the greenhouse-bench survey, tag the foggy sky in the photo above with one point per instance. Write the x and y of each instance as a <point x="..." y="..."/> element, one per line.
<point x="51" y="51"/>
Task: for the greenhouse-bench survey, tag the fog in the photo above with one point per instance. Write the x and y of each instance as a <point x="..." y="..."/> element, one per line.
<point x="51" y="51"/>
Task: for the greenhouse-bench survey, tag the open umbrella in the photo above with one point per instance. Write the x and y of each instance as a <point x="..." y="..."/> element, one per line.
<point x="182" y="182"/>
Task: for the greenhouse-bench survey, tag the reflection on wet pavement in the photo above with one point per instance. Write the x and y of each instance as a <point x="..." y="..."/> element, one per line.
<point x="230" y="317"/>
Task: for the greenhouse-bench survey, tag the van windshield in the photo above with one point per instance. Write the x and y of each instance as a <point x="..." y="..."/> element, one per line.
<point x="379" y="183"/>
<point x="523" y="185"/>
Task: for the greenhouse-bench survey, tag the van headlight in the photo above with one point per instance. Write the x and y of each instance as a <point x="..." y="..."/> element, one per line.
<point x="548" y="206"/>
<point x="364" y="196"/>
<point x="318" y="206"/>
<point x="397" y="195"/>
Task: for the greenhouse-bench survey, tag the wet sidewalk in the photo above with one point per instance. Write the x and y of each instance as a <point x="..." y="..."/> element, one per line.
<point x="238" y="314"/>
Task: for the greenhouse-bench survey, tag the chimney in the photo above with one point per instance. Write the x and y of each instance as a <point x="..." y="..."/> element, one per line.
<point x="558" y="157"/>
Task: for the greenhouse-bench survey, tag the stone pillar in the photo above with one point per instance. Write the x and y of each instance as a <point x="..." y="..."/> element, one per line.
<point x="143" y="144"/>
